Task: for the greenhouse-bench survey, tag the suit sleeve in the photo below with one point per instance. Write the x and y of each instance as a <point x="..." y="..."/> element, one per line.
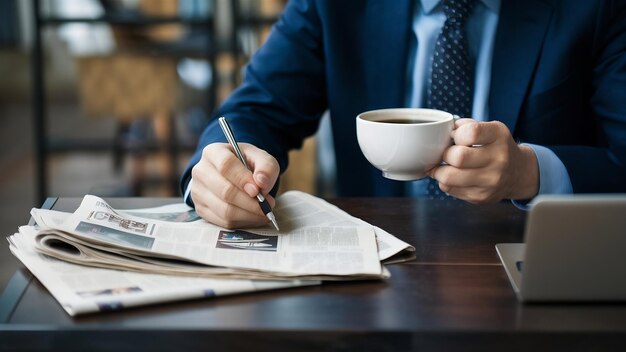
<point x="602" y="168"/>
<point x="283" y="94"/>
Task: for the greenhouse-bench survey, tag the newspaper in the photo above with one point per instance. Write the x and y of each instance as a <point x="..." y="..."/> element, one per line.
<point x="307" y="209"/>
<point x="144" y="279"/>
<point x="313" y="211"/>
<point x="83" y="289"/>
<point x="318" y="242"/>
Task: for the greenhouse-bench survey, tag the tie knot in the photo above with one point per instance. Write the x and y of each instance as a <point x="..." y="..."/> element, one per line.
<point x="457" y="11"/>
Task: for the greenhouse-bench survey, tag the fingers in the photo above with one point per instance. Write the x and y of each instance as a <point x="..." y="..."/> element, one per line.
<point x="226" y="164"/>
<point x="470" y="132"/>
<point x="265" y="167"/>
<point x="224" y="190"/>
<point x="475" y="195"/>
<point x="465" y="157"/>
<point x="468" y="191"/>
<point x="209" y="203"/>
<point x="450" y="176"/>
<point x="486" y="165"/>
<point x="227" y="215"/>
<point x="460" y="122"/>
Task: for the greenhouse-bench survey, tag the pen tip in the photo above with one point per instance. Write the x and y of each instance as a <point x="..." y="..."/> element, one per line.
<point x="272" y="218"/>
<point x="275" y="225"/>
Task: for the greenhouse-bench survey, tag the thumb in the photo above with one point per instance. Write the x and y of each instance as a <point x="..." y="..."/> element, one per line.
<point x="265" y="169"/>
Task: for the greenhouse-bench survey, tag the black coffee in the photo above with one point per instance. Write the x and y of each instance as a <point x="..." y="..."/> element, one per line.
<point x="406" y="121"/>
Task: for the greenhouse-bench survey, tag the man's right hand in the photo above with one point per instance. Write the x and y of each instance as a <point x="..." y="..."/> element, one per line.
<point x="224" y="190"/>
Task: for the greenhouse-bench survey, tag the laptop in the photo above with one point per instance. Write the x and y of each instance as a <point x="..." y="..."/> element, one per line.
<point x="574" y="250"/>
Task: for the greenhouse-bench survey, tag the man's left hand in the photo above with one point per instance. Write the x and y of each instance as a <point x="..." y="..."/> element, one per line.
<point x="485" y="165"/>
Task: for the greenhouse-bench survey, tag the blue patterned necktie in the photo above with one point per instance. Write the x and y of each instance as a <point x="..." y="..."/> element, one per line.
<point x="451" y="80"/>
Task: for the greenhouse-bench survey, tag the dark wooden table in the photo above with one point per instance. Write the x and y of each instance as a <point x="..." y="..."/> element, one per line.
<point x="455" y="296"/>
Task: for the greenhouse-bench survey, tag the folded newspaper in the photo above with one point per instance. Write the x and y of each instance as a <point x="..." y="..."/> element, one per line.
<point x="169" y="253"/>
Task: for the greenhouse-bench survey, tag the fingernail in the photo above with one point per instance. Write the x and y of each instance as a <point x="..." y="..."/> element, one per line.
<point x="262" y="179"/>
<point x="250" y="189"/>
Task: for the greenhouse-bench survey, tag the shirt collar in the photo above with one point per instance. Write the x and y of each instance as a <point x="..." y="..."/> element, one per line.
<point x="429" y="5"/>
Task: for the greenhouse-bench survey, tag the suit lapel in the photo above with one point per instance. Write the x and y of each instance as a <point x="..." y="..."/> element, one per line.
<point x="387" y="35"/>
<point x="519" y="39"/>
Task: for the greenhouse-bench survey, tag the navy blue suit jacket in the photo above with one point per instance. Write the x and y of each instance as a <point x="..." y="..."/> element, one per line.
<point x="558" y="80"/>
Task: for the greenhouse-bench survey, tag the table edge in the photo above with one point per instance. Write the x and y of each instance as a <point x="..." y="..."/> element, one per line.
<point x="19" y="282"/>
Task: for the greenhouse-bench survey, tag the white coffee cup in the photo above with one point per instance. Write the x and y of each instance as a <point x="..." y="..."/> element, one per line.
<point x="404" y="143"/>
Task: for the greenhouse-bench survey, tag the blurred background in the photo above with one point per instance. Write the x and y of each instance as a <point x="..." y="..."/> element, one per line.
<point x="108" y="97"/>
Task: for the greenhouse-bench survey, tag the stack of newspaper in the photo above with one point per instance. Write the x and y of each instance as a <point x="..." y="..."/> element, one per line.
<point x="99" y="258"/>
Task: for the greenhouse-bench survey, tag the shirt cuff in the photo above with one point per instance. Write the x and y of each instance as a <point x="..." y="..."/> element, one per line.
<point x="187" y="196"/>
<point x="553" y="176"/>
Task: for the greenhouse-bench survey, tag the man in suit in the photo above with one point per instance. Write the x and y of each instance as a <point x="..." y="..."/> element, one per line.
<point x="546" y="81"/>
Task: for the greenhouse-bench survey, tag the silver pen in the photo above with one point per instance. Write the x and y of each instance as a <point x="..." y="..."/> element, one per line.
<point x="265" y="206"/>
